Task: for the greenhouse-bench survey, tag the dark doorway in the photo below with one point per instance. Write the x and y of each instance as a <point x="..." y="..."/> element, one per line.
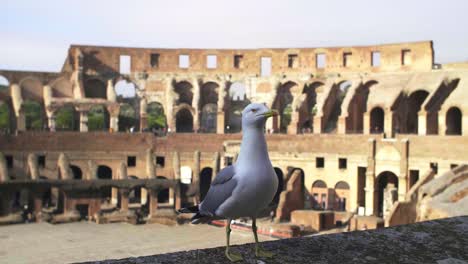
<point x="163" y="195"/>
<point x="377" y="120"/>
<point x="205" y="182"/>
<point x="83" y="210"/>
<point x="184" y="121"/>
<point x="77" y="173"/>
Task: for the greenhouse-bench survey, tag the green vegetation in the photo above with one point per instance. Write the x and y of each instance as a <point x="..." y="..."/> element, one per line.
<point x="156" y="117"/>
<point x="97" y="119"/>
<point x="64" y="119"/>
<point x="33" y="114"/>
<point x="127" y="117"/>
<point x="4" y="116"/>
<point x="286" y="118"/>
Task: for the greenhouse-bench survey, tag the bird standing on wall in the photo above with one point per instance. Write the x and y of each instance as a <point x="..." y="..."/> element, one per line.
<point x="246" y="187"/>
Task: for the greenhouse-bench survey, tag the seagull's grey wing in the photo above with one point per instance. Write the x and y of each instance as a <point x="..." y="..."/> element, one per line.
<point x="220" y="190"/>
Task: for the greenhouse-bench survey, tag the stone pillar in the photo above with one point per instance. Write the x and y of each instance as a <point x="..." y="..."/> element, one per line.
<point x="178" y="198"/>
<point x="196" y="169"/>
<point x="37" y="206"/>
<point x="143" y="114"/>
<point x="114" y="117"/>
<point x="169" y="111"/>
<point x="51" y="122"/>
<point x="293" y="127"/>
<point x="196" y="105"/>
<point x="442" y="125"/>
<point x="83" y="121"/>
<point x="153" y="202"/>
<point x="422" y="123"/>
<point x="114" y="196"/>
<point x="403" y="177"/>
<point x="388" y="123"/>
<point x="366" y="123"/>
<point x="317" y="124"/>
<point x="220" y="117"/>
<point x="111" y="95"/>
<point x="122" y="173"/>
<point x="150" y="168"/>
<point x="216" y="164"/>
<point x="17" y="100"/>
<point x="370" y="178"/>
<point x="176" y="167"/>
<point x="220" y="122"/>
<point x="341" y="124"/>
<point x="33" y="166"/>
<point x="21" y="122"/>
<point x="3" y="169"/>
<point x="124" y="200"/>
<point x="64" y="167"/>
<point x="92" y="170"/>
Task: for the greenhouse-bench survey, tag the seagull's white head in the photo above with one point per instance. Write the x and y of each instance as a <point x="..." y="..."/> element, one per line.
<point x="254" y="115"/>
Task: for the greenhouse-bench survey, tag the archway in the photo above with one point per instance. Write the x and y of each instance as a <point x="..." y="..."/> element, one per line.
<point x="5" y="124"/>
<point x="184" y="92"/>
<point x="134" y="197"/>
<point x="105" y="173"/>
<point x="127" y="118"/>
<point x="332" y="108"/>
<point x="163" y="195"/>
<point x="155" y="116"/>
<point x="387" y="188"/>
<point x="98" y="118"/>
<point x="308" y="107"/>
<point x="377" y="120"/>
<point x="208" y="118"/>
<point x="357" y="107"/>
<point x="205" y="181"/>
<point x="66" y="119"/>
<point x="95" y="88"/>
<point x="184" y="121"/>
<point x="342" y="195"/>
<point x="125" y="89"/>
<point x="236" y="103"/>
<point x="34" y="115"/>
<point x="453" y="121"/>
<point x="77" y="173"/>
<point x="4" y="83"/>
<point x="319" y="195"/>
<point x="283" y="104"/>
<point x="280" y="175"/>
<point x="415" y="101"/>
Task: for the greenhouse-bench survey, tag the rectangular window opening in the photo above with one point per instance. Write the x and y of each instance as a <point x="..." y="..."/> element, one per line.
<point x="41" y="161"/>
<point x="184" y="61"/>
<point x="131" y="161"/>
<point x="238" y="61"/>
<point x="347" y="59"/>
<point x="413" y="177"/>
<point x="125" y="64"/>
<point x="375" y="59"/>
<point x="160" y="161"/>
<point x="453" y="166"/>
<point x="229" y="161"/>
<point x="9" y="160"/>
<point x="211" y="61"/>
<point x="320" y="60"/>
<point x="265" y="66"/>
<point x="154" y="60"/>
<point x="342" y="163"/>
<point x="434" y="167"/>
<point x="405" y="57"/>
<point x="320" y="162"/>
<point x="292" y="61"/>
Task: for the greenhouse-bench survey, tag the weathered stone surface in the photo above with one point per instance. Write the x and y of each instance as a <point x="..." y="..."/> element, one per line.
<point x="439" y="241"/>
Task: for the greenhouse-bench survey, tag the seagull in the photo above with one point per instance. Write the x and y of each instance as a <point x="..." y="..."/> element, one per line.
<point x="246" y="187"/>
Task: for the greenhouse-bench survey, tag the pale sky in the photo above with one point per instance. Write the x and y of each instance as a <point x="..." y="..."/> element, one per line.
<point x="35" y="35"/>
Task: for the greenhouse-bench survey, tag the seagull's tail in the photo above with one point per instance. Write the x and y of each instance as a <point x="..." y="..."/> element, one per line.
<point x="199" y="217"/>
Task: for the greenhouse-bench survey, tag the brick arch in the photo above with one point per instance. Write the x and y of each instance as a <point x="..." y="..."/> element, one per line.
<point x="31" y="88"/>
<point x="61" y="87"/>
<point x="454" y="121"/>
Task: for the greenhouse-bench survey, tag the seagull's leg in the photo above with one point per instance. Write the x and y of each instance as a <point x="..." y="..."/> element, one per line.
<point x="259" y="251"/>
<point x="231" y="256"/>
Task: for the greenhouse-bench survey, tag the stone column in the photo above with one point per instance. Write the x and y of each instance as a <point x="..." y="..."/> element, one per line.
<point x="422" y="123"/>
<point x="196" y="105"/>
<point x="17" y="100"/>
<point x="33" y="166"/>
<point x="153" y="202"/>
<point x="83" y="121"/>
<point x="293" y="127"/>
<point x="51" y="122"/>
<point x="143" y="114"/>
<point x="176" y="167"/>
<point x="169" y="111"/>
<point x="442" y="126"/>
<point x="220" y="116"/>
<point x="388" y="123"/>
<point x="3" y="169"/>
<point x="366" y="123"/>
<point x="341" y="124"/>
<point x="37" y="206"/>
<point x="111" y="95"/>
<point x="124" y="200"/>
<point x="114" y="110"/>
<point x="370" y="177"/>
<point x="317" y="124"/>
<point x="150" y="168"/>
<point x="403" y="177"/>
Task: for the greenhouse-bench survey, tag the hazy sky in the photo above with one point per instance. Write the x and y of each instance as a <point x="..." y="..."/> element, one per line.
<point x="35" y="35"/>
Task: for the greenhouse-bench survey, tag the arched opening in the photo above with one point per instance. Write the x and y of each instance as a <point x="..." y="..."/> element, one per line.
<point x="308" y="107"/>
<point x="205" y="182"/>
<point x="155" y="115"/>
<point x="95" y="88"/>
<point x="387" y="188"/>
<point x="332" y="108"/>
<point x="415" y="101"/>
<point x="4" y="84"/>
<point x="163" y="195"/>
<point x="66" y="119"/>
<point x="34" y="115"/>
<point x="105" y="173"/>
<point x="184" y="121"/>
<point x="134" y="197"/>
<point x="283" y="104"/>
<point x="319" y="195"/>
<point x="127" y="118"/>
<point x="208" y="118"/>
<point x="62" y="88"/>
<point x="342" y="195"/>
<point x="279" y="174"/>
<point x="236" y="103"/>
<point x="125" y="89"/>
<point x="77" y="173"/>
<point x="377" y="120"/>
<point x="46" y="198"/>
<point x="453" y="121"/>
<point x="184" y="92"/>
<point x="5" y="124"/>
<point x="357" y="107"/>
<point x="98" y="118"/>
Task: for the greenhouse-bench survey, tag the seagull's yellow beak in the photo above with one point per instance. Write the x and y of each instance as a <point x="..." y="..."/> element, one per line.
<point x="271" y="113"/>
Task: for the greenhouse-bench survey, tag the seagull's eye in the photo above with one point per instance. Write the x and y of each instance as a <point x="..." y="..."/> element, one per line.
<point x="254" y="110"/>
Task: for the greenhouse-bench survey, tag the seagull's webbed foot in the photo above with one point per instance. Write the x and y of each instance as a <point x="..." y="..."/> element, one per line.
<point x="233" y="257"/>
<point x="262" y="253"/>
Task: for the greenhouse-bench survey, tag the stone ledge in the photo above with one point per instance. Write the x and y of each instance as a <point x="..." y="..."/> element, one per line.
<point x="438" y="241"/>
